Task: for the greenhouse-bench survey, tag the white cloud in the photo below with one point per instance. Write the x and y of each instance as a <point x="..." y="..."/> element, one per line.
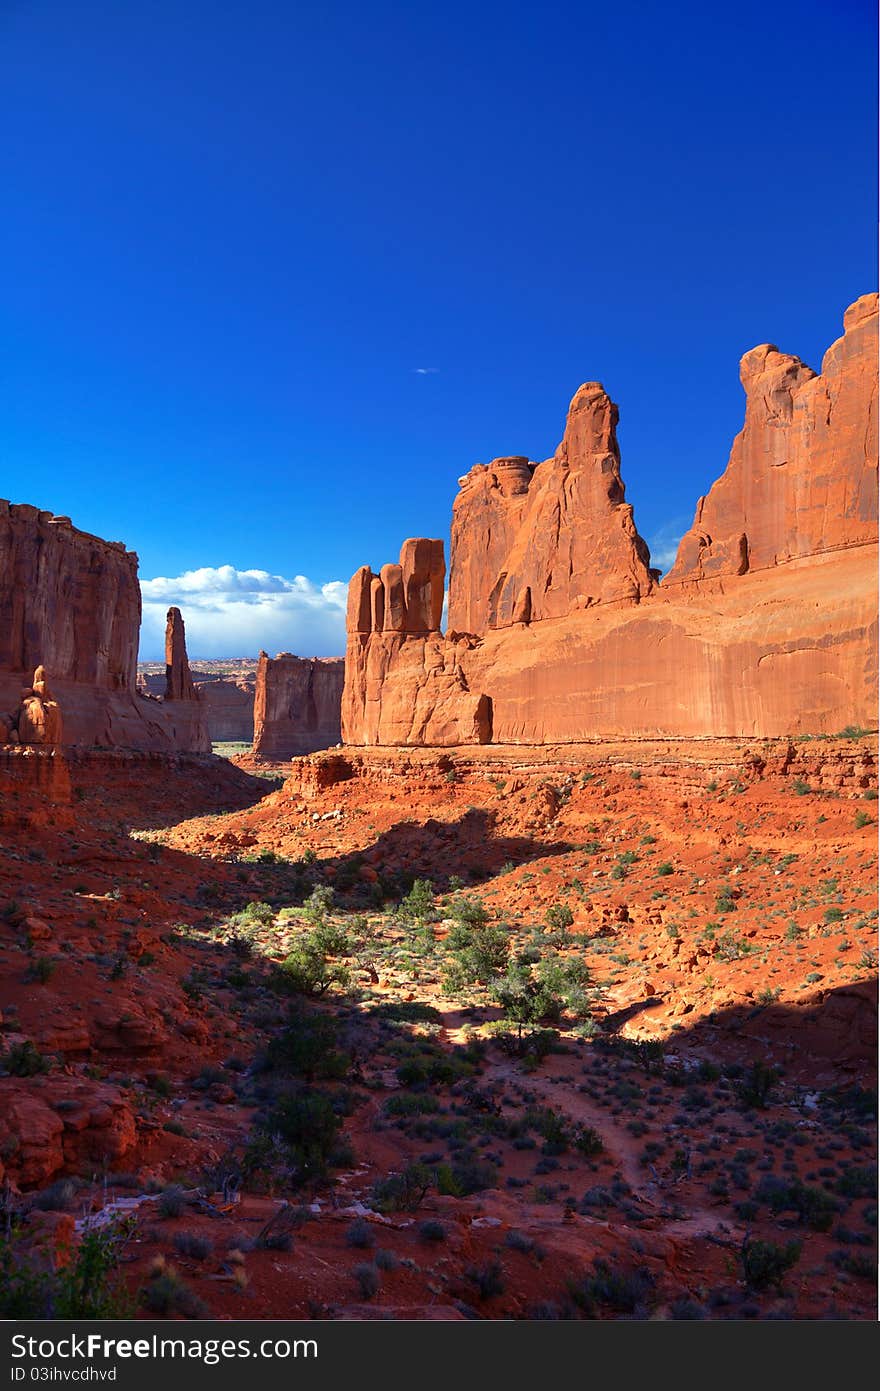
<point x="233" y="613"/>
<point x="426" y="371"/>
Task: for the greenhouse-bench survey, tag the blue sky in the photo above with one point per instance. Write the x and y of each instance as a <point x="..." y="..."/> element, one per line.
<point x="233" y="232"/>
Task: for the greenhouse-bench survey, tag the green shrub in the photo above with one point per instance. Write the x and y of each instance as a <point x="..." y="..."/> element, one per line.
<point x="765" y="1263"/>
<point x="758" y="1084"/>
<point x="24" y="1060"/>
<point x="167" y="1293"/>
<point x="307" y="1047"/>
<point x="307" y="1126"/>
<point x="307" y="971"/>
<point x="559" y="916"/>
<point x="197" y="1248"/>
<point x="368" y="1279"/>
<point x="404" y="1192"/>
<point x="488" y="1280"/>
<point x="172" y="1201"/>
<point x="89" y="1287"/>
<point x="418" y="906"/>
<point x="623" y="1292"/>
<point x="41" y="970"/>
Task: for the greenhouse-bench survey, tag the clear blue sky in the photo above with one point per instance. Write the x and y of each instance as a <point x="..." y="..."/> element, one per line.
<point x="232" y="231"/>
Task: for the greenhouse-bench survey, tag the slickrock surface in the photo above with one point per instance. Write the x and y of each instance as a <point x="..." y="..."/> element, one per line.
<point x="558" y="627"/>
<point x="297" y="705"/>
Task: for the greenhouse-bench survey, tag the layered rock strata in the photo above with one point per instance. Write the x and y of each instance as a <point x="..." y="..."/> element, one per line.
<point x="297" y="705"/>
<point x="71" y="602"/>
<point x="560" y="630"/>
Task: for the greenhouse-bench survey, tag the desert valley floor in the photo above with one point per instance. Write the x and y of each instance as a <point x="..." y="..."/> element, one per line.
<point x="258" y="1018"/>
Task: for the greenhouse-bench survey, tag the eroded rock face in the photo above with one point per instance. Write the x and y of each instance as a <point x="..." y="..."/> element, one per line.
<point x="802" y="476"/>
<point x="67" y="599"/>
<point x="72" y="602"/>
<point x="36" y="719"/>
<point x="404" y="681"/>
<point x="296" y="705"/>
<point x="229" y="706"/>
<point x="767" y="624"/>
<point x="533" y="541"/>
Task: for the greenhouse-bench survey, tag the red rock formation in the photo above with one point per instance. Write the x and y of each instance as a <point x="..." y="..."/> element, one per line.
<point x="296" y="705"/>
<point x="548" y="569"/>
<point x="229" y="706"/>
<point x="67" y="599"/>
<point x="72" y="601"/>
<point x="802" y="476"/>
<point x="178" y="682"/>
<point x="37" y="719"/>
<point x="544" y="540"/>
<point x="395" y="645"/>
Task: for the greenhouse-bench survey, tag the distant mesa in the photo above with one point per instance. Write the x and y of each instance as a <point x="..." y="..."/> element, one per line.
<point x="560" y="630"/>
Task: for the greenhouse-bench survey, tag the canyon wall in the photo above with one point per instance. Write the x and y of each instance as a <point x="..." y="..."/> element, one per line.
<point x="70" y="603"/>
<point x="559" y="629"/>
<point x="229" y="706"/>
<point x="227" y="700"/>
<point x="296" y="705"/>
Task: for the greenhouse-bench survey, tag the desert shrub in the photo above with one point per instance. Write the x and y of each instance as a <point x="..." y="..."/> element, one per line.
<point x="857" y="1181"/>
<point x="40" y="970"/>
<point x="588" y="1141"/>
<point x="558" y="917"/>
<point x="308" y="971"/>
<point x="404" y="1192"/>
<point x="359" y="1234"/>
<point x="306" y="1126"/>
<point x="765" y="1263"/>
<point x="89" y="1287"/>
<point x="432" y="1231"/>
<point x="418" y="906"/>
<point x="307" y="1047"/>
<point x="262" y="913"/>
<point x="627" y="1292"/>
<point x="488" y="1279"/>
<point x="198" y="1248"/>
<point x="167" y="1293"/>
<point x="464" y="1177"/>
<point x="475" y="955"/>
<point x="172" y="1201"/>
<point x="386" y="1260"/>
<point x="58" y="1197"/>
<point x="24" y="1060"/>
<point x="757" y="1086"/>
<point x="318" y="905"/>
<point x="470" y="911"/>
<point x="368" y="1279"/>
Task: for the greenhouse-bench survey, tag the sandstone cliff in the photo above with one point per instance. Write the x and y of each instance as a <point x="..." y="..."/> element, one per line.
<point x="70" y="603"/>
<point x="296" y="705"/>
<point x="802" y="475"/>
<point x="229" y="706"/>
<point x="533" y="541"/>
<point x="559" y="630"/>
<point x="395" y="649"/>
